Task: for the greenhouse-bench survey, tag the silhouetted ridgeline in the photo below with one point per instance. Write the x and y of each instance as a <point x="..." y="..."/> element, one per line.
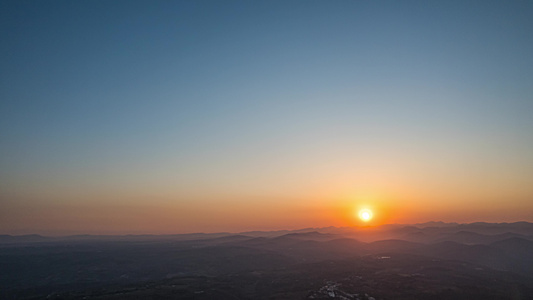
<point x="422" y="261"/>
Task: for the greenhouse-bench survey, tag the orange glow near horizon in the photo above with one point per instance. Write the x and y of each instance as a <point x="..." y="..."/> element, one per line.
<point x="229" y="213"/>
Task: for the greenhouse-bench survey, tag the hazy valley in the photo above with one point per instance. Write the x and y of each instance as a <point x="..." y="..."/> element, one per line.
<point x="421" y="261"/>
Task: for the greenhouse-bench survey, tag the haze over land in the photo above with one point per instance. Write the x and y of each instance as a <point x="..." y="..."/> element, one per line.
<point x="433" y="260"/>
<point x="135" y="117"/>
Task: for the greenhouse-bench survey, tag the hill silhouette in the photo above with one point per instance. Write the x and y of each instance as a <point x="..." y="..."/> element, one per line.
<point x="430" y="261"/>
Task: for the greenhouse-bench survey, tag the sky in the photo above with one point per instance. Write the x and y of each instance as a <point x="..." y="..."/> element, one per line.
<point x="207" y="116"/>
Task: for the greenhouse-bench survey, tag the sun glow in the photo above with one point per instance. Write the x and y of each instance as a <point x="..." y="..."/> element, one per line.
<point x="365" y="215"/>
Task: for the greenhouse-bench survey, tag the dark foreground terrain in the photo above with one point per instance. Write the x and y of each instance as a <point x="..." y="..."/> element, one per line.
<point x="424" y="261"/>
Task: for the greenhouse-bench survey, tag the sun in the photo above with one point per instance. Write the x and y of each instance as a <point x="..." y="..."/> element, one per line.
<point x="365" y="215"/>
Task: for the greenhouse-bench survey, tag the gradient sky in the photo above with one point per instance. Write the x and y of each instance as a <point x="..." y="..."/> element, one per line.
<point x="187" y="116"/>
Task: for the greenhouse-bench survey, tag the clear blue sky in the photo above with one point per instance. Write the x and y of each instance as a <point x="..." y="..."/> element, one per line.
<point x="186" y="106"/>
